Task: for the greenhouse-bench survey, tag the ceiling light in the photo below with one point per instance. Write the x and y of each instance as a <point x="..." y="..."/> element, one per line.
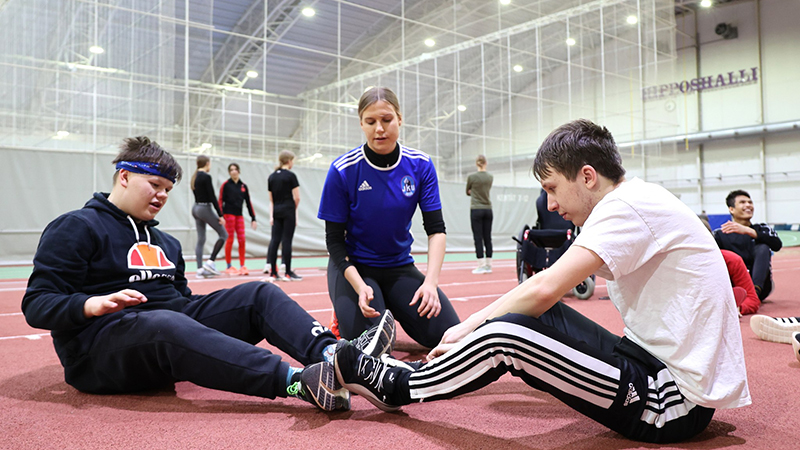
<point x="632" y="20"/>
<point x="570" y="41"/>
<point x="517" y="68"/>
<point x="206" y="145"/>
<point x="462" y="108"/>
<point x="61" y="134"/>
<point x="430" y="42"/>
<point x="252" y="74"/>
<point x="705" y="3"/>
<point x="505" y="2"/>
<point x="96" y="49"/>
<point x="308" y="11"/>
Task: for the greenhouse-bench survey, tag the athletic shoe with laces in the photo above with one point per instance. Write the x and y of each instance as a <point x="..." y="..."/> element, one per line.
<point x="774" y="329"/>
<point x="231" y="271"/>
<point x="203" y="273"/>
<point x="364" y="375"/>
<point x="267" y="268"/>
<point x="379" y="339"/>
<point x="796" y="344"/>
<point x="481" y="269"/>
<point x="211" y="268"/>
<point x="317" y="384"/>
<point x="244" y="271"/>
<point x="291" y="276"/>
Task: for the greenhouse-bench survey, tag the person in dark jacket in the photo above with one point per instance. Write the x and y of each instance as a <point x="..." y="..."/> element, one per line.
<point x="232" y="195"/>
<point x="754" y="242"/>
<point x="111" y="288"/>
<point x="206" y="212"/>
<point x="284" y="198"/>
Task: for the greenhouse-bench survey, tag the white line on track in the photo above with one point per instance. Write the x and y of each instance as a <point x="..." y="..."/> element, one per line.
<point x="30" y="337"/>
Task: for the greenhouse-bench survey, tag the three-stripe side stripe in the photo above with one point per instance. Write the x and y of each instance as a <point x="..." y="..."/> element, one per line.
<point x="664" y="401"/>
<point x="414" y="153"/>
<point x="503" y="343"/>
<point x="348" y="159"/>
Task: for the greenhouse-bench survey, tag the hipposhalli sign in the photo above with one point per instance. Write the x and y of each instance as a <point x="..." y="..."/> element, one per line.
<point x="730" y="79"/>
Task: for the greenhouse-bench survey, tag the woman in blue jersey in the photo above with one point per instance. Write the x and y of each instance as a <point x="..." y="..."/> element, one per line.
<point x="368" y="200"/>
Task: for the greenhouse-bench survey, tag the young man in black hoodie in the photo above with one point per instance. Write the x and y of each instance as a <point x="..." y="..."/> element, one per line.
<point x="111" y="288"/>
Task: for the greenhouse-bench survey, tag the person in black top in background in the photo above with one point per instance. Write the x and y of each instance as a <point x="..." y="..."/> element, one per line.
<point x="204" y="200"/>
<point x="232" y="195"/>
<point x="284" y="198"/>
<point x="754" y="242"/>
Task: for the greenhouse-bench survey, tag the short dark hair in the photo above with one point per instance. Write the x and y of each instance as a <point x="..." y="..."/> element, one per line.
<point x="730" y="200"/>
<point x="142" y="149"/>
<point x="576" y="144"/>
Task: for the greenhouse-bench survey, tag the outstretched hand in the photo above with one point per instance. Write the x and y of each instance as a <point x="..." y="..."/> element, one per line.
<point x="111" y="303"/>
<point x="451" y="337"/>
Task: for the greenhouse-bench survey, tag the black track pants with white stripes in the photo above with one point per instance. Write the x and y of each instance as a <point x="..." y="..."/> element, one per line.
<point x="605" y="377"/>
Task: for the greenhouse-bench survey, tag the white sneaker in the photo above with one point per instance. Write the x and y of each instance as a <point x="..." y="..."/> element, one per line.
<point x="796" y="344"/>
<point x="774" y="329"/>
<point x="487" y="269"/>
<point x="211" y="268"/>
<point x="267" y="268"/>
<point x="482" y="269"/>
<point x="203" y="273"/>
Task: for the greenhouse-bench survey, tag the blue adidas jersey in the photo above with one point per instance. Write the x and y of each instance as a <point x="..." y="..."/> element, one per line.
<point x="377" y="204"/>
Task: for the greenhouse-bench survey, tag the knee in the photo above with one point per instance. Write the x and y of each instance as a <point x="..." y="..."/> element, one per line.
<point x="762" y="250"/>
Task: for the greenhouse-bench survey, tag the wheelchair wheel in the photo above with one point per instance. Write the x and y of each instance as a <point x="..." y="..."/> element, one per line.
<point x="585" y="289"/>
<point x="523" y="274"/>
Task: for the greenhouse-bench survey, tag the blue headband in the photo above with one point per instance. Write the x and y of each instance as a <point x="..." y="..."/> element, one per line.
<point x="144" y="168"/>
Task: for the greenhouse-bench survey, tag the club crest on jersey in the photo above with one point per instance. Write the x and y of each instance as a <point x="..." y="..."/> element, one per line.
<point x="407" y="186"/>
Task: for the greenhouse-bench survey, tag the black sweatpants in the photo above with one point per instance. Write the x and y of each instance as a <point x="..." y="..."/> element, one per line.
<point x="211" y="343"/>
<point x="283" y="226"/>
<point x="481" y="221"/>
<point x="605" y="377"/>
<point x="393" y="289"/>
<point x="760" y="266"/>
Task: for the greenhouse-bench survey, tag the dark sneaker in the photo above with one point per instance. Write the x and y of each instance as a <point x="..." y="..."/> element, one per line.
<point x="379" y="339"/>
<point x="291" y="276"/>
<point x="364" y="375"/>
<point x="774" y="329"/>
<point x="318" y="386"/>
<point x="796" y="344"/>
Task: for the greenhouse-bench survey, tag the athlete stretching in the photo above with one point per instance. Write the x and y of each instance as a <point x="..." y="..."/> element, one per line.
<point x="681" y="354"/>
<point x="111" y="287"/>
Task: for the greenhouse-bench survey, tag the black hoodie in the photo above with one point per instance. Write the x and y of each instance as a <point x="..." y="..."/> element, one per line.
<point x="99" y="250"/>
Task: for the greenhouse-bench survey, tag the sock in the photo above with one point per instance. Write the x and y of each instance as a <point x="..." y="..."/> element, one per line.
<point x="480" y="262"/>
<point x="328" y="352"/>
<point x="293" y="375"/>
<point x="488" y="262"/>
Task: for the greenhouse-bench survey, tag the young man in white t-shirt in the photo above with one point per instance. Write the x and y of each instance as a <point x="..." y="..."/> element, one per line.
<point x="681" y="354"/>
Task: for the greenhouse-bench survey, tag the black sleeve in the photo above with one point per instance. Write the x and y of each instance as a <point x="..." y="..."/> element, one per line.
<point x="433" y="222"/>
<point x="247" y="202"/>
<point x="209" y="187"/>
<point x="765" y="234"/>
<point x="334" y="241"/>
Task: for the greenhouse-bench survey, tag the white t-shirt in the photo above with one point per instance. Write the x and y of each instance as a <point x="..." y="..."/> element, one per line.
<point x="667" y="278"/>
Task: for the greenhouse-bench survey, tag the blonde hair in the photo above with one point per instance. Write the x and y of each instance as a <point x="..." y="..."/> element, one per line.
<point x="284" y="157"/>
<point x="376" y="94"/>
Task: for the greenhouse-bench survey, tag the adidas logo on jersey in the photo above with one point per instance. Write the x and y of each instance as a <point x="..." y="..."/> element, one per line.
<point x="632" y="397"/>
<point x="365" y="186"/>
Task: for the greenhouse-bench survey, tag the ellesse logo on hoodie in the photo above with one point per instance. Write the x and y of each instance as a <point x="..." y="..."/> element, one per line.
<point x="143" y="257"/>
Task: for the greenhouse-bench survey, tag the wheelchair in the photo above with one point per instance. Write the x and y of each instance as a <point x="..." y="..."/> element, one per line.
<point x="539" y="247"/>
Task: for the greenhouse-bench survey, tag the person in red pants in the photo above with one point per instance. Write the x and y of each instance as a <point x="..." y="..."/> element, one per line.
<point x="232" y="195"/>
<point x="743" y="289"/>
